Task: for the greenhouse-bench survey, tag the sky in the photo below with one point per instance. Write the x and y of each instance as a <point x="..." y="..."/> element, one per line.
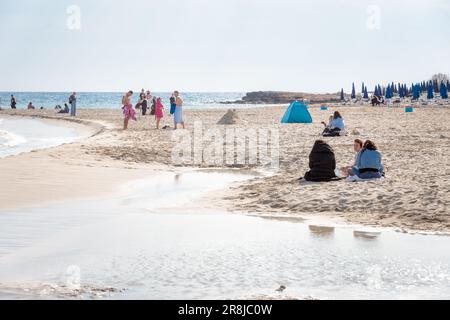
<point x="220" y="45"/>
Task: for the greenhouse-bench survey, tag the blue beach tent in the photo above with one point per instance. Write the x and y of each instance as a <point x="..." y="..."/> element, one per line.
<point x="297" y="113"/>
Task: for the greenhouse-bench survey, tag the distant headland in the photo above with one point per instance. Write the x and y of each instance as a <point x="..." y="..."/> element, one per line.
<point x="283" y="97"/>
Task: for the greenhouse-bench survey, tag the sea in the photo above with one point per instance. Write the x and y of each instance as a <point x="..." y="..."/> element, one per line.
<point x="112" y="100"/>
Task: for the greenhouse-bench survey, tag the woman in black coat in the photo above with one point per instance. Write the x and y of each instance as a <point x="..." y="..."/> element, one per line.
<point x="321" y="162"/>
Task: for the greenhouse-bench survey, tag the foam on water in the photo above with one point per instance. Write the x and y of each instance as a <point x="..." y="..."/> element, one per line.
<point x="9" y="139"/>
<point x="19" y="135"/>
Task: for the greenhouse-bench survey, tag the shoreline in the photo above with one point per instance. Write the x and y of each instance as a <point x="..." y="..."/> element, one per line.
<point x="409" y="143"/>
<point x="63" y="173"/>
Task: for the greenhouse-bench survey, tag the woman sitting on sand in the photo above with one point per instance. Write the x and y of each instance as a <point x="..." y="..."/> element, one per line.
<point x="128" y="110"/>
<point x="357" y="147"/>
<point x="368" y="162"/>
<point x="158" y="112"/>
<point x="335" y="127"/>
<point x="322" y="163"/>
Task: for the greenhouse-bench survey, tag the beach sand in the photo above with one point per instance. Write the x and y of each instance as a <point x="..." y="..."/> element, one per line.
<point x="415" y="196"/>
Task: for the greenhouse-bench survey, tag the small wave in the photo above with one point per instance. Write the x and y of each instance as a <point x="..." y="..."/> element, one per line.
<point x="9" y="139"/>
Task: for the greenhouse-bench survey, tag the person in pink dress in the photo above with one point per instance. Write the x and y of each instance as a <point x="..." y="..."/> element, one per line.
<point x="128" y="110"/>
<point x="159" y="112"/>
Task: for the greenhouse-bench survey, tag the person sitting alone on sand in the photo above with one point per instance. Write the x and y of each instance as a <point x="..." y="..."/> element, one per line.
<point x="158" y="112"/>
<point x="322" y="163"/>
<point x="357" y="147"/>
<point x="335" y="127"/>
<point x="30" y="106"/>
<point x="127" y="109"/>
<point x="368" y="163"/>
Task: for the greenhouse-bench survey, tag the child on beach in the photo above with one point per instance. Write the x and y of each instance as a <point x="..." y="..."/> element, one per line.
<point x="128" y="110"/>
<point x="158" y="112"/>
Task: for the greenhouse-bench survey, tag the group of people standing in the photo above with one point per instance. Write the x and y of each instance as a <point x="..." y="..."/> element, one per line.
<point x="156" y="108"/>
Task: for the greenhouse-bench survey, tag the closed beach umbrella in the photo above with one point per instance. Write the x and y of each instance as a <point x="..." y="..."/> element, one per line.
<point x="430" y="94"/>
<point x="353" y="91"/>
<point x="435" y="86"/>
<point x="342" y="95"/>
<point x="444" y="91"/>
<point x="366" y="94"/>
<point x="388" y="92"/>
<point x="416" y="92"/>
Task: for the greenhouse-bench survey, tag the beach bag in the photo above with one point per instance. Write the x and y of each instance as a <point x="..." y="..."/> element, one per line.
<point x="173" y="107"/>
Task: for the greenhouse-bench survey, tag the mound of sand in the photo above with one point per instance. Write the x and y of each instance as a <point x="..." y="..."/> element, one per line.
<point x="230" y="117"/>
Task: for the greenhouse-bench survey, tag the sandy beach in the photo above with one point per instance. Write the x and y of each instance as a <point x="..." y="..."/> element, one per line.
<point x="415" y="196"/>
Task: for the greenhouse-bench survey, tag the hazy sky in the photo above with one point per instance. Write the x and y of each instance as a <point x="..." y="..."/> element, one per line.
<point x="220" y="45"/>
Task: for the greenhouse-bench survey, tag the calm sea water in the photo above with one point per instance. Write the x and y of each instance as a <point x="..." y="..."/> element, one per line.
<point x="24" y="135"/>
<point x="157" y="241"/>
<point x="199" y="100"/>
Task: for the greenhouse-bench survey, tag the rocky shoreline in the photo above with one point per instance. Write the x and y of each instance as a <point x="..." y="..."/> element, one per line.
<point x="282" y="97"/>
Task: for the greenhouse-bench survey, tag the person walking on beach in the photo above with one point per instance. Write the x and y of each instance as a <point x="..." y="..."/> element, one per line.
<point x="128" y="110"/>
<point x="178" y="115"/>
<point x="13" y="102"/>
<point x="158" y="112"/>
<point x="73" y="104"/>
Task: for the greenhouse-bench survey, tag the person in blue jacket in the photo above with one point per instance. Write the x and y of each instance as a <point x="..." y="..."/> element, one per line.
<point x="335" y="127"/>
<point x="368" y="162"/>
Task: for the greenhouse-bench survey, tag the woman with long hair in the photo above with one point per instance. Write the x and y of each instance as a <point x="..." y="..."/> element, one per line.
<point x="335" y="127"/>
